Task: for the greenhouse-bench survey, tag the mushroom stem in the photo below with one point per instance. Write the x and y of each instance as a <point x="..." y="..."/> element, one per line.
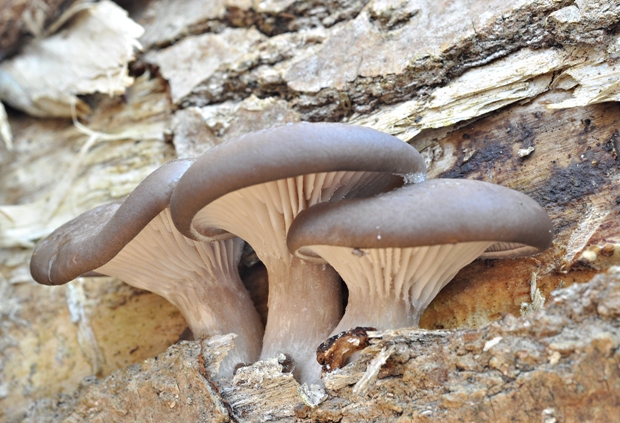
<point x="305" y="304"/>
<point x="391" y="287"/>
<point x="211" y="310"/>
<point x="203" y="283"/>
<point x="367" y="311"/>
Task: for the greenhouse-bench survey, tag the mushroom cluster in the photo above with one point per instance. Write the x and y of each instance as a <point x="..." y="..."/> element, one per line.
<point x="254" y="186"/>
<point x="316" y="202"/>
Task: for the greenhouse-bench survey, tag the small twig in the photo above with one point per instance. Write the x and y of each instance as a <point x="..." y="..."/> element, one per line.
<point x="67" y="14"/>
<point x="5" y="129"/>
<point x="370" y="376"/>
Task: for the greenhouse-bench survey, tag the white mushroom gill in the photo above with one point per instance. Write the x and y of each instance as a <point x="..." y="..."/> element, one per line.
<point x="391" y="287"/>
<point x="508" y="250"/>
<point x="199" y="278"/>
<point x="304" y="298"/>
<point x="264" y="212"/>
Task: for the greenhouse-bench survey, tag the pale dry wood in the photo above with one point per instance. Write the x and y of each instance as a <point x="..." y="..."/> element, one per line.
<point x="521" y="76"/>
<point x="194" y="59"/>
<point x="89" y="56"/>
<point x="6" y="136"/>
<point x="124" y="157"/>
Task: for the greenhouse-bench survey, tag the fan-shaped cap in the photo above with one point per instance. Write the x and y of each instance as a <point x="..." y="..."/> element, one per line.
<point x="283" y="152"/>
<point x="433" y="212"/>
<point x="94" y="238"/>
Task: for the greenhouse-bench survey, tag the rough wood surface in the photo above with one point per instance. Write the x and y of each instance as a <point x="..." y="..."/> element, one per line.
<point x="572" y="170"/>
<point x="558" y="364"/>
<point x="521" y="93"/>
<point x="23" y="19"/>
<point x="89" y="53"/>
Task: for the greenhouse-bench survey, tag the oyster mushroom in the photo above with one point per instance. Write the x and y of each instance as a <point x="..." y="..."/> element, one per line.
<point x="136" y="242"/>
<point x="255" y="185"/>
<point x="397" y="250"/>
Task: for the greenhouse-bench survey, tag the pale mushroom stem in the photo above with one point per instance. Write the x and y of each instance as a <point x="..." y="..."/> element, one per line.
<point x="309" y="303"/>
<point x="390" y="288"/>
<point x="304" y="299"/>
<point x="202" y="282"/>
<point x="231" y="311"/>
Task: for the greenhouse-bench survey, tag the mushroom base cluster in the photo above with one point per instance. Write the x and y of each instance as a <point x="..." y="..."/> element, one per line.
<point x="304" y="298"/>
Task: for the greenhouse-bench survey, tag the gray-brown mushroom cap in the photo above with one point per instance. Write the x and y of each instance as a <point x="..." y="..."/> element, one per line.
<point x="397" y="250"/>
<point x="96" y="236"/>
<point x="284" y="152"/>
<point x="434" y="212"/>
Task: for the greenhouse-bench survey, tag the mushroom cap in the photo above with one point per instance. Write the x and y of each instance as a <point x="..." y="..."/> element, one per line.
<point x="282" y="152"/>
<point x="95" y="237"/>
<point x="433" y="212"/>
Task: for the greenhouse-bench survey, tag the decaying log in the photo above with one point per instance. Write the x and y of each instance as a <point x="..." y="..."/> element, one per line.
<point x="520" y="93"/>
<point x="558" y="364"/>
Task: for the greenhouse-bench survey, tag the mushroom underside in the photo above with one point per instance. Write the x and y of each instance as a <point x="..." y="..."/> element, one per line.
<point x="261" y="215"/>
<point x="200" y="278"/>
<point x="391" y="287"/>
<point x="505" y="250"/>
